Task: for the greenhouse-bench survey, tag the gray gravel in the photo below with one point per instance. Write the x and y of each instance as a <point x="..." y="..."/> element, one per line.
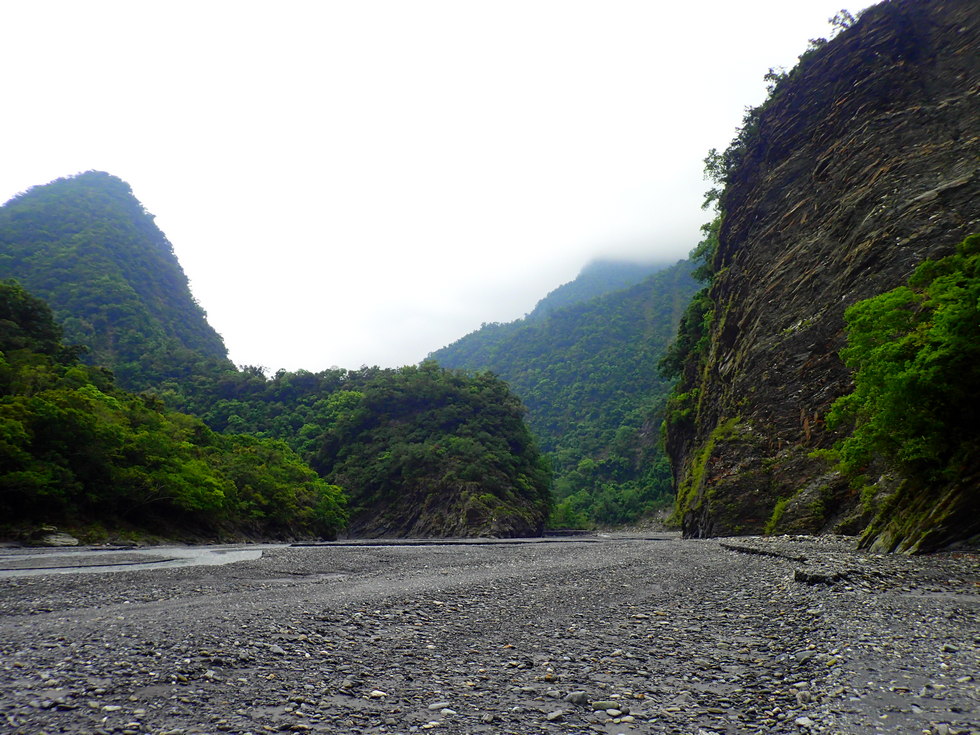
<point x="612" y="635"/>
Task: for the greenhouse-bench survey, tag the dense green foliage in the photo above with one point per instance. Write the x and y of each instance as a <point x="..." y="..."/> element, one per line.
<point x="383" y="435"/>
<point x="595" y="279"/>
<point x="75" y="449"/>
<point x="426" y="430"/>
<point x="587" y="375"/>
<point x="692" y="335"/>
<point x="691" y="341"/>
<point x="683" y="359"/>
<point x="916" y="353"/>
<point x="683" y="356"/>
<point x="87" y="247"/>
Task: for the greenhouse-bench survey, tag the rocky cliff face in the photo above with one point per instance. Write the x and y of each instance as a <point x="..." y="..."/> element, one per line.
<point x="451" y="511"/>
<point x="864" y="165"/>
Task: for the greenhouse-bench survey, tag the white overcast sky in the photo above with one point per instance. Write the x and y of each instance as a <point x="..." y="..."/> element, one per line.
<point x="362" y="182"/>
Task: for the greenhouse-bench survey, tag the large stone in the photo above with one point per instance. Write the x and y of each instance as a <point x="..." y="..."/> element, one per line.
<point x="53" y="537"/>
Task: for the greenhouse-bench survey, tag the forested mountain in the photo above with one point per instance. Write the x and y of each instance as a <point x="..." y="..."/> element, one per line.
<point x="828" y="375"/>
<point x="595" y="279"/>
<point x="588" y="376"/>
<point x="74" y="449"/>
<point x="87" y="247"/>
<point x="419" y="451"/>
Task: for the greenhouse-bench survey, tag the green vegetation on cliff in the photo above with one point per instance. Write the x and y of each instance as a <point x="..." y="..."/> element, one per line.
<point x="683" y="361"/>
<point x="860" y="165"/>
<point x="690" y="343"/>
<point x="915" y="351"/>
<point x="400" y="441"/>
<point x="75" y="449"/>
<point x="427" y="437"/>
<point x="587" y="373"/>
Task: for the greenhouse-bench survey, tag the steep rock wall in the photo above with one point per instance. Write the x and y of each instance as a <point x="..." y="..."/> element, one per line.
<point x="864" y="165"/>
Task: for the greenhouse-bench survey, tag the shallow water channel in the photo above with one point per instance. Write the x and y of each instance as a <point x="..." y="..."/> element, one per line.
<point x="32" y="562"/>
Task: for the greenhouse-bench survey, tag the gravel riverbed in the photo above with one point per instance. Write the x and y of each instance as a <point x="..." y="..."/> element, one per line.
<point x="616" y="634"/>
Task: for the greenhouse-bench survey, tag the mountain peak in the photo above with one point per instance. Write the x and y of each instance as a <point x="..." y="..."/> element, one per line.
<point x="597" y="277"/>
<point x="87" y="246"/>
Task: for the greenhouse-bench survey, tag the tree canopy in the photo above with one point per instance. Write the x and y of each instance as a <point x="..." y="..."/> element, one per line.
<point x="916" y="355"/>
<point x="587" y="373"/>
<point x="87" y="247"/>
<point x="75" y="449"/>
<point x="394" y="438"/>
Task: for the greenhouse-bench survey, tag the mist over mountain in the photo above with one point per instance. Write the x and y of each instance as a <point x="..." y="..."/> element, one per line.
<point x="598" y="277"/>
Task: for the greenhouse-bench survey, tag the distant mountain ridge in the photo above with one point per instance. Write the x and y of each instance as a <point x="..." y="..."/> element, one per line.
<point x="89" y="248"/>
<point x="600" y="276"/>
<point x="587" y="373"/>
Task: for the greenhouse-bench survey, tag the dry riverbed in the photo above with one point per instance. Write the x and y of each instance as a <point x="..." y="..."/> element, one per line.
<point x="639" y="634"/>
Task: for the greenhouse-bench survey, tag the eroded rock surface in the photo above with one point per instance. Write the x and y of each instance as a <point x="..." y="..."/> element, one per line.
<point x="865" y="165"/>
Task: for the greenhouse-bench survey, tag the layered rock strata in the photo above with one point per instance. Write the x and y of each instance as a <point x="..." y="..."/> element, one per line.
<point x="865" y="164"/>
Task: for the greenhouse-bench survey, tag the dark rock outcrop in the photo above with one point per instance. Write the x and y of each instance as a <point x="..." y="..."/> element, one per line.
<point x="865" y="164"/>
<point x="455" y="512"/>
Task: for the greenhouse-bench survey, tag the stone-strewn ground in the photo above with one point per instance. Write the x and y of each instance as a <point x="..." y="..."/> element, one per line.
<point x="612" y="635"/>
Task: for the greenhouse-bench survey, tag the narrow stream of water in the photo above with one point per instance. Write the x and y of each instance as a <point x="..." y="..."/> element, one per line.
<point x="97" y="561"/>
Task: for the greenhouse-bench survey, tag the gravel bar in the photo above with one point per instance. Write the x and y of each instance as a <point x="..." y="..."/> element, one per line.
<point x="619" y="634"/>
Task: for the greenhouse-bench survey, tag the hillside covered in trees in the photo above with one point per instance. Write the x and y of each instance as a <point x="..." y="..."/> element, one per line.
<point x="417" y="451"/>
<point x="76" y="450"/>
<point x="597" y="278"/>
<point x="88" y="247"/>
<point x="421" y="450"/>
<point x="588" y="375"/>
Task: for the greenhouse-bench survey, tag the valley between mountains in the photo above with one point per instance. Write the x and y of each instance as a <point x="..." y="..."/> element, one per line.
<point x="812" y="368"/>
<point x="644" y="633"/>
